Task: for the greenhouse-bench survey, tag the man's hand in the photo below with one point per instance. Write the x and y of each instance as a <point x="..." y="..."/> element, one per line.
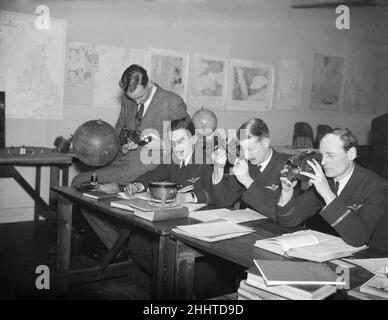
<point x="184" y="197"/>
<point x="287" y="188"/>
<point x="108" y="187"/>
<point x="156" y="144"/>
<point x="318" y="179"/>
<point x="132" y="188"/>
<point x="241" y="171"/>
<point x="219" y="161"/>
<point x="219" y="158"/>
<point x="126" y="147"/>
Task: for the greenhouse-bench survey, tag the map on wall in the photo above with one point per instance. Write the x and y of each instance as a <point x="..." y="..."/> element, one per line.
<point x="112" y="63"/>
<point x="290" y="78"/>
<point x="251" y="85"/>
<point x="361" y="87"/>
<point x="209" y="79"/>
<point x="81" y="64"/>
<point x="32" y="66"/>
<point x="169" y="69"/>
<point x="327" y="80"/>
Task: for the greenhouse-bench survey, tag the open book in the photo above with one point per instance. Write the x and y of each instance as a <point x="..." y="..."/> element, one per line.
<point x="236" y="216"/>
<point x="310" y="245"/>
<point x="296" y="272"/>
<point x="213" y="230"/>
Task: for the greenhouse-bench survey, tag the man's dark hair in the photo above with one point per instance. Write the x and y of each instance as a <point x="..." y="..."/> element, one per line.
<point x="183" y="123"/>
<point x="346" y="136"/>
<point x="254" y="127"/>
<point x="132" y="77"/>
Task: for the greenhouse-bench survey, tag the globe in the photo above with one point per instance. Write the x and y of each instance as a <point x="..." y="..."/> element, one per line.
<point x="205" y="120"/>
<point x="96" y="143"/>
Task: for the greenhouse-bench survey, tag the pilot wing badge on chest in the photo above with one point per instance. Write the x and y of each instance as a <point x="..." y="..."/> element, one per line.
<point x="273" y="187"/>
<point x="354" y="207"/>
<point x="193" y="180"/>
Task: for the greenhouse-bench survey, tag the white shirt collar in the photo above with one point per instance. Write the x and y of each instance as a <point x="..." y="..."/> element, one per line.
<point x="265" y="163"/>
<point x="147" y="103"/>
<point x="344" y="181"/>
<point x="187" y="159"/>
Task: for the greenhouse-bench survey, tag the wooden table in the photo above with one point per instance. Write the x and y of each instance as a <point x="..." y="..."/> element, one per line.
<point x="241" y="251"/>
<point x="162" y="279"/>
<point x="37" y="157"/>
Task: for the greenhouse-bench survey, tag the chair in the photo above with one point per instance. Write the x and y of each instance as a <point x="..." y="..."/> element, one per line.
<point x="379" y="141"/>
<point x="303" y="135"/>
<point x="322" y="129"/>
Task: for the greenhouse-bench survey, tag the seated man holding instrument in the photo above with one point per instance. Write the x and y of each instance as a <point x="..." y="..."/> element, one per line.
<point x="350" y="201"/>
<point x="256" y="173"/>
<point x="188" y="167"/>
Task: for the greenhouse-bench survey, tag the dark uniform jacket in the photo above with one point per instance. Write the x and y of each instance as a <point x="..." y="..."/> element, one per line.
<point x="263" y="194"/>
<point x="356" y="214"/>
<point x="197" y="173"/>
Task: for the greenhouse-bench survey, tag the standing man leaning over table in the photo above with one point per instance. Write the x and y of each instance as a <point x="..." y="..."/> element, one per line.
<point x="256" y="174"/>
<point x="144" y="106"/>
<point x="352" y="200"/>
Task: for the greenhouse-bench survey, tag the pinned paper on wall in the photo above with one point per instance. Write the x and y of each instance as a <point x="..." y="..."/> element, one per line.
<point x="290" y="78"/>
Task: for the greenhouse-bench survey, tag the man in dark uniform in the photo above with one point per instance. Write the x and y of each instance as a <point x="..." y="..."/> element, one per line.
<point x="255" y="176"/>
<point x="189" y="166"/>
<point x="351" y="200"/>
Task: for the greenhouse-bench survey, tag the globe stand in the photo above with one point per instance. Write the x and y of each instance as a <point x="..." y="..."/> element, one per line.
<point x="92" y="184"/>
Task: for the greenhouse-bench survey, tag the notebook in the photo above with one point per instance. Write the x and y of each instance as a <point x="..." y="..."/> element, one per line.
<point x="295" y="272"/>
<point x="310" y="245"/>
<point x="236" y="216"/>
<point x="142" y="209"/>
<point x="294" y="292"/>
<point x="97" y="195"/>
<point x="213" y="230"/>
<point x="252" y="293"/>
<point x="377" y="285"/>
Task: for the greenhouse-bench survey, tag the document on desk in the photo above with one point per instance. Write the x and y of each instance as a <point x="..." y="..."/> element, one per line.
<point x="235" y="216"/>
<point x="372" y="265"/>
<point x="310" y="245"/>
<point x="213" y="230"/>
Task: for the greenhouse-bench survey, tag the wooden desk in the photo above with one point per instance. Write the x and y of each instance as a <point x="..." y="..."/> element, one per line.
<point x="240" y="251"/>
<point x="37" y="157"/>
<point x="162" y="279"/>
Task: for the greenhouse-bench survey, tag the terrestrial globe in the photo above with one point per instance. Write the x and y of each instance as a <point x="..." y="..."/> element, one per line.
<point x="95" y="143"/>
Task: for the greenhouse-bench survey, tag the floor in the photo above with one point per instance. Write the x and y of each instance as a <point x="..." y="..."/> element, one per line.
<point x="26" y="245"/>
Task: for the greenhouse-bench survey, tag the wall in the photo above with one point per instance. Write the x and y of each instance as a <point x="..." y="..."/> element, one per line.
<point x="265" y="30"/>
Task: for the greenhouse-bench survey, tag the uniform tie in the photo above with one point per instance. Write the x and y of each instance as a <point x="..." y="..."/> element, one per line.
<point x="139" y="113"/>
<point x="335" y="188"/>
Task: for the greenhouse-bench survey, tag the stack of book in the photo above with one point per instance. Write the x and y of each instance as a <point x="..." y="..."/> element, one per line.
<point x="376" y="288"/>
<point x="288" y="280"/>
<point x="151" y="211"/>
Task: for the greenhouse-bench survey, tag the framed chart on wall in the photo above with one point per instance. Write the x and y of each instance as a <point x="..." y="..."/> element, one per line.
<point x="251" y="85"/>
<point x="208" y="81"/>
<point x="169" y="69"/>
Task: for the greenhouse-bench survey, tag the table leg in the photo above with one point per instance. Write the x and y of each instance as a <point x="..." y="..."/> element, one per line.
<point x="54" y="181"/>
<point x="65" y="175"/>
<point x="38" y="170"/>
<point x="64" y="220"/>
<point x="184" y="271"/>
<point x="164" y="269"/>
